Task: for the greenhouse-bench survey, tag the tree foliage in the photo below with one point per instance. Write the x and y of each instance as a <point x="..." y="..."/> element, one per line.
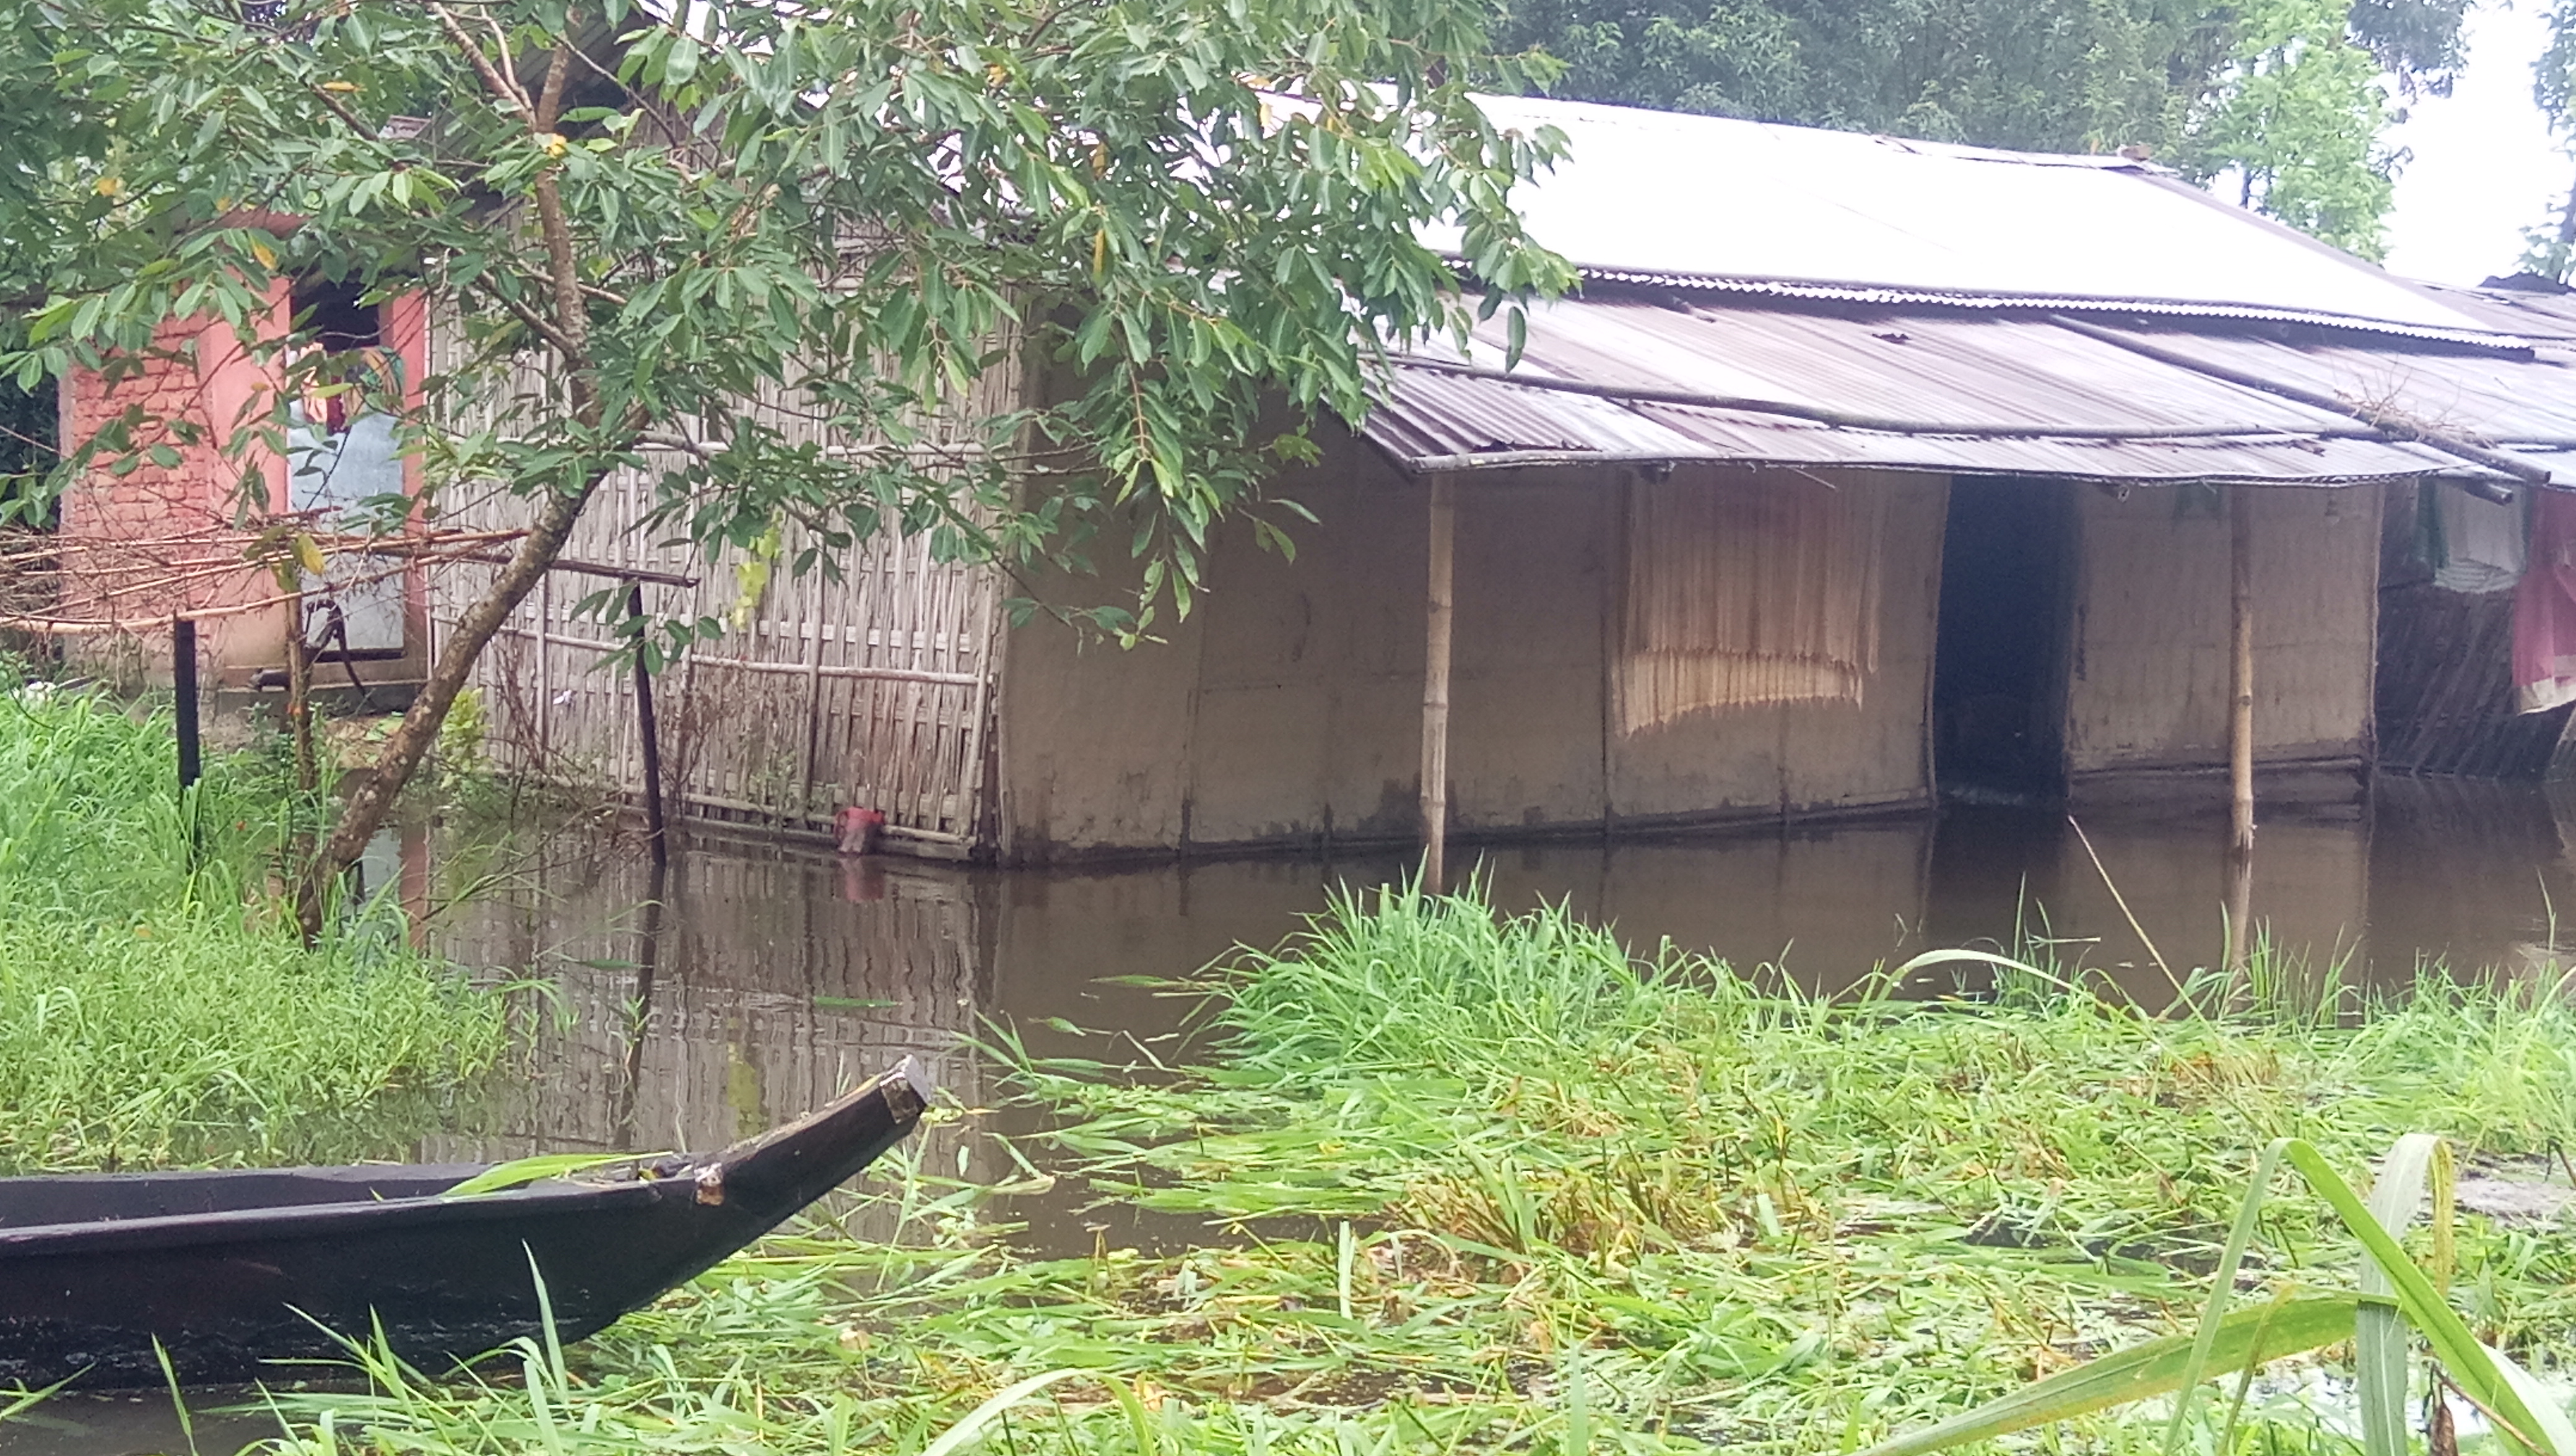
<point x="2284" y="95"/>
<point x="2294" y="121"/>
<point x="1188" y="210"/>
<point x="2552" y="249"/>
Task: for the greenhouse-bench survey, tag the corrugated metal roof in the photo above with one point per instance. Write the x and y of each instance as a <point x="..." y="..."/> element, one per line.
<point x="1718" y="203"/>
<point x="1626" y="378"/>
<point x="2530" y="312"/>
<point x="2494" y="399"/>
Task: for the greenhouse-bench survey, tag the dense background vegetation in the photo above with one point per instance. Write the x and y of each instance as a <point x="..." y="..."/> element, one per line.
<point x="2284" y="98"/>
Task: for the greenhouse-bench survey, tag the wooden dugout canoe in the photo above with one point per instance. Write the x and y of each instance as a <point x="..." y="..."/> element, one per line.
<point x="234" y="1270"/>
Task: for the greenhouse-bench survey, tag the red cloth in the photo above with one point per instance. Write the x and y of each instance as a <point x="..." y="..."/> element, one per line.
<point x="2544" y="608"/>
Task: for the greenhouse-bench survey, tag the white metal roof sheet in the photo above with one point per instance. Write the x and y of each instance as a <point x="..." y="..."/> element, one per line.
<point x="1650" y="194"/>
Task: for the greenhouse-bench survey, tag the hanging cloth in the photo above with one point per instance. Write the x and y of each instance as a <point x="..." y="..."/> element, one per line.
<point x="2474" y="545"/>
<point x="2544" y="611"/>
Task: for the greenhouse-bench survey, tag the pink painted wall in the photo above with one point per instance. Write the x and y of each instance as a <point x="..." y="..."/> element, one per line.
<point x="159" y="540"/>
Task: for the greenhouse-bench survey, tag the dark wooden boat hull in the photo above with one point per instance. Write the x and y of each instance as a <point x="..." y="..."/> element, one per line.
<point x="232" y="1272"/>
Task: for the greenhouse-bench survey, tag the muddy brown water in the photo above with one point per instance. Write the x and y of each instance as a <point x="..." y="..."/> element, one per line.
<point x="771" y="978"/>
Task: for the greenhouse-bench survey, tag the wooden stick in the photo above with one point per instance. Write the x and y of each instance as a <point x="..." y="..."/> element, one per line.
<point x="183" y="685"/>
<point x="648" y="746"/>
<point x="2240" y="712"/>
<point x="1435" y="684"/>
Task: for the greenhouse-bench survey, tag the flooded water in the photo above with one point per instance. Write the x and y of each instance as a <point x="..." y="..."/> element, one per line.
<point x="770" y="979"/>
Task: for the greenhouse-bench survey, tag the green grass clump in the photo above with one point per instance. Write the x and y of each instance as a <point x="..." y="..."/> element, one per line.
<point x="155" y="1007"/>
<point x="1439" y="1182"/>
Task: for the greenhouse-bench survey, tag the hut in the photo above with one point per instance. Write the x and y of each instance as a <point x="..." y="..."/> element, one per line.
<point x="160" y="541"/>
<point x="1860" y="470"/>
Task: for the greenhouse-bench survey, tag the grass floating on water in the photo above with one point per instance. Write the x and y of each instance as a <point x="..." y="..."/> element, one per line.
<point x="1481" y="1184"/>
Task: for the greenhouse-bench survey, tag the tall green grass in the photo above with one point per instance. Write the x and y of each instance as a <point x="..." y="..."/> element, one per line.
<point x="154" y="1006"/>
<point x="1438" y="1181"/>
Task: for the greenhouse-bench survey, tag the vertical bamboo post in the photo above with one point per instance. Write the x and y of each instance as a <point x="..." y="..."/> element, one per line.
<point x="1435" y="684"/>
<point x="545" y="670"/>
<point x="183" y="687"/>
<point x="2240" y="719"/>
<point x="648" y="737"/>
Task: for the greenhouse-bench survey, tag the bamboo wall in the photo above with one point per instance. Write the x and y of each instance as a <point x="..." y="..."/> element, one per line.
<point x="2147" y="690"/>
<point x="871" y="691"/>
<point x="1286" y="710"/>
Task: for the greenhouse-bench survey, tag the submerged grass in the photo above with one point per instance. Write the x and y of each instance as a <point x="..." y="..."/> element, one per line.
<point x="154" y="1007"/>
<point x="1481" y="1184"/>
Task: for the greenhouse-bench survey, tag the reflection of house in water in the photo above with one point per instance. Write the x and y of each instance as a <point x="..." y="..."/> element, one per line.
<point x="777" y="980"/>
<point x="761" y="988"/>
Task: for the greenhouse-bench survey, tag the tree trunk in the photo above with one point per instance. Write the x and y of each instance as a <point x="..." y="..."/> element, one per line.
<point x="2559" y="260"/>
<point x="381" y="782"/>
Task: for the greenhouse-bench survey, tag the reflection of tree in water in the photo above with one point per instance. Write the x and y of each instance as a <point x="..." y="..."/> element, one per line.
<point x="737" y="993"/>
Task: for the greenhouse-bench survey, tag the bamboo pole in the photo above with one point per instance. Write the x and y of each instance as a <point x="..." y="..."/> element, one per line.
<point x="2240" y="718"/>
<point x="183" y="687"/>
<point x="1435" y="684"/>
<point x="648" y="739"/>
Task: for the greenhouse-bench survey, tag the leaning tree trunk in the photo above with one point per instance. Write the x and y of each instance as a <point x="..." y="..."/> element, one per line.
<point x="568" y="333"/>
<point x="2560" y="258"/>
<point x="381" y="782"/>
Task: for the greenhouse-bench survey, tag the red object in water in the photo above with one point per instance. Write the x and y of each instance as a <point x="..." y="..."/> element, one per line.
<point x="863" y="881"/>
<point x="859" y="829"/>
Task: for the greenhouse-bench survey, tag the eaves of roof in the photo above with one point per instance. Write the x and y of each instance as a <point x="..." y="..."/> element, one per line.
<point x="1637" y="377"/>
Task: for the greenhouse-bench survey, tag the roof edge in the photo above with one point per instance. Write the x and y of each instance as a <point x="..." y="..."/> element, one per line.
<point x="1897" y="296"/>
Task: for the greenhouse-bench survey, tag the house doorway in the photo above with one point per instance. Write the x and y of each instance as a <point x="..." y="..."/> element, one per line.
<point x="1998" y="676"/>
<point x="342" y="459"/>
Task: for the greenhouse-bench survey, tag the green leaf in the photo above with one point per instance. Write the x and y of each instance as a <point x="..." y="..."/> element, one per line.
<point x="974" y="1421"/>
<point x="2222" y="1285"/>
<point x="522" y="1171"/>
<point x="2379" y="1340"/>
<point x="2482" y="1374"/>
<point x="2248" y="1337"/>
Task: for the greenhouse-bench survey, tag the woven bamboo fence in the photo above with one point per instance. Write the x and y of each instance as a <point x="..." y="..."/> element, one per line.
<point x="872" y="691"/>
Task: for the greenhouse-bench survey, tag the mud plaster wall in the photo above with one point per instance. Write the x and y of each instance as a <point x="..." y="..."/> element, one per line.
<point x="2147" y="686"/>
<point x="1287" y="710"/>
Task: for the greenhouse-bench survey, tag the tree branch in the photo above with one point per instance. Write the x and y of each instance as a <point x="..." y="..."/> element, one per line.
<point x="502" y="88"/>
<point x="550" y="102"/>
<point x="542" y="326"/>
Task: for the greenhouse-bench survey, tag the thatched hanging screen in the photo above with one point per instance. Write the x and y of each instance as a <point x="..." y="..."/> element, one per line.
<point x="1744" y="591"/>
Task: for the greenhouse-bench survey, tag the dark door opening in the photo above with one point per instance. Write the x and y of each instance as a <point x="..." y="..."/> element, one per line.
<point x="1998" y="678"/>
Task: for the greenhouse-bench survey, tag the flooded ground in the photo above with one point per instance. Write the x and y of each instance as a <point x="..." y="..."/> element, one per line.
<point x="769" y="979"/>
